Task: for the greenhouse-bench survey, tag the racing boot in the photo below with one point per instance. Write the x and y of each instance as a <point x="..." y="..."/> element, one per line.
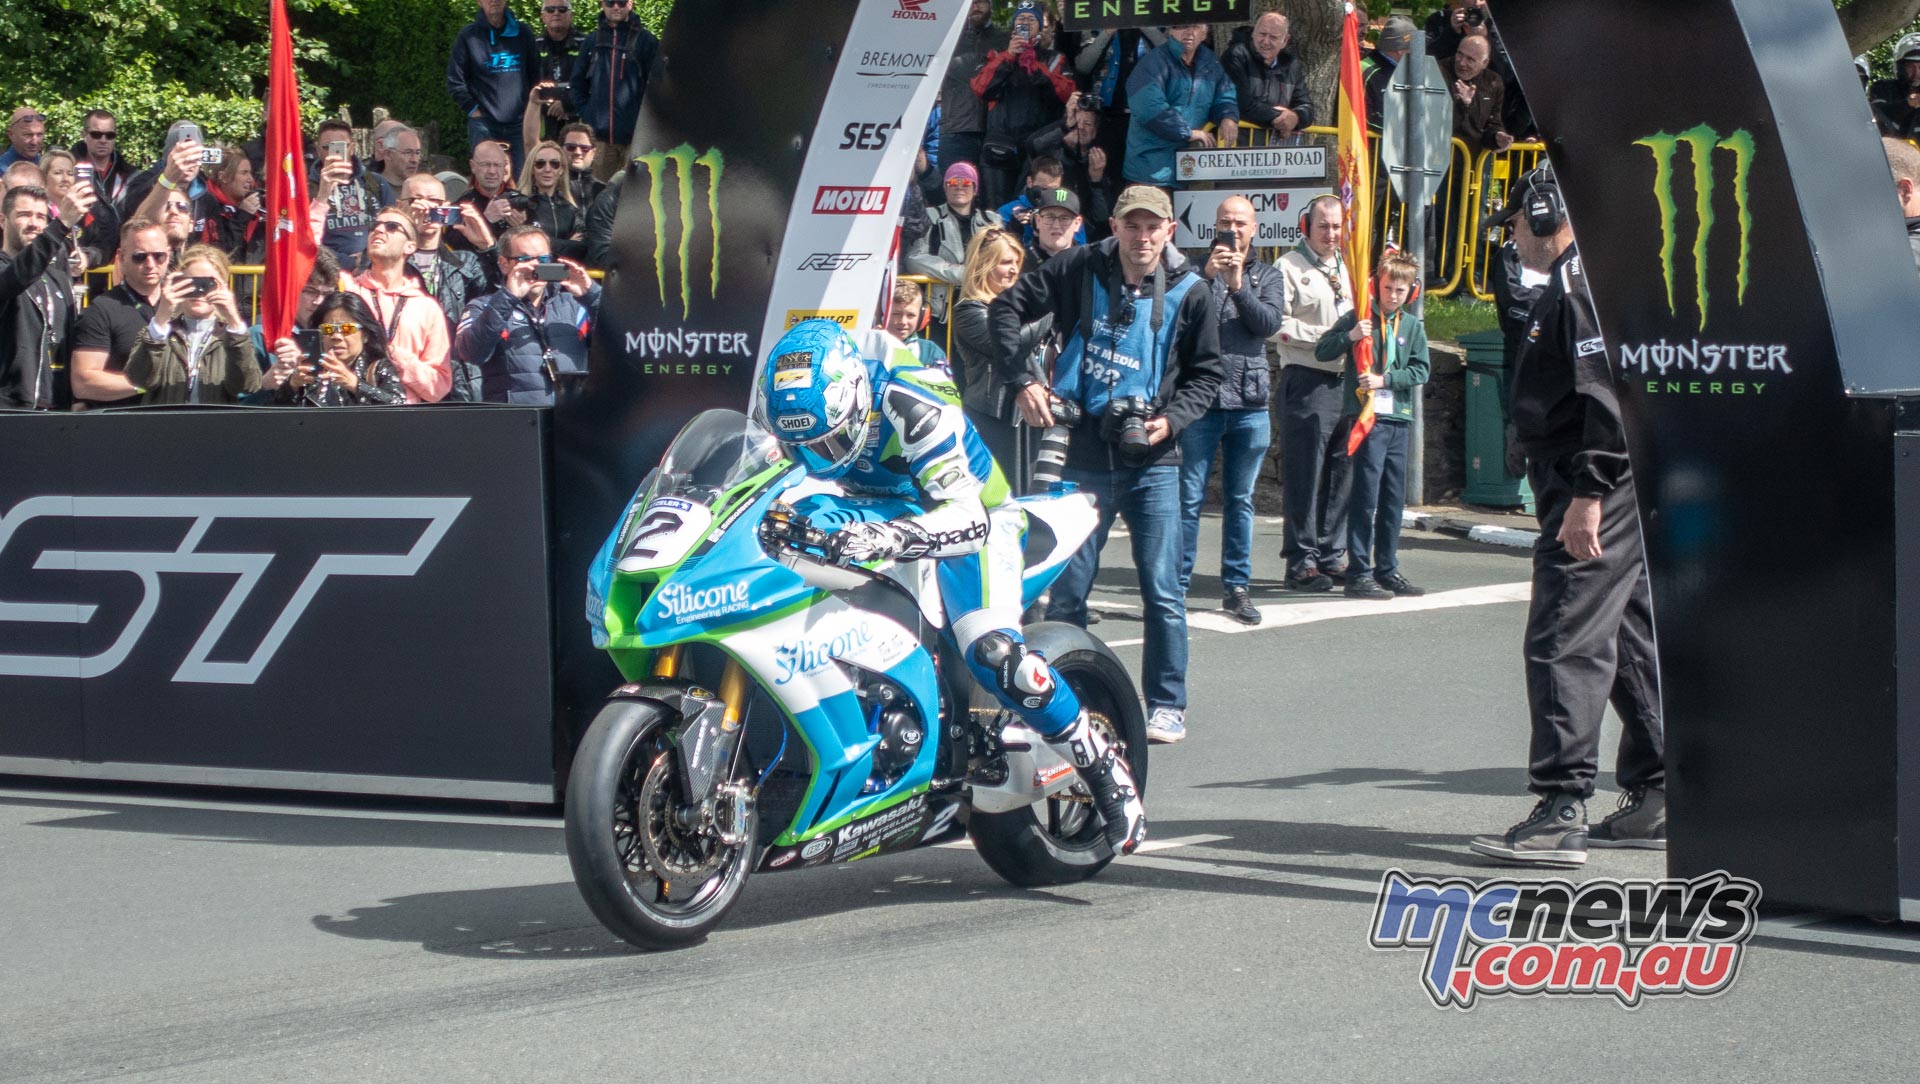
<point x="1107" y="776"/>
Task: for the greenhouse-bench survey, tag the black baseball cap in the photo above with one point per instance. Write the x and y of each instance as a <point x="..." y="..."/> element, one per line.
<point x="1044" y="198"/>
<point x="1530" y="191"/>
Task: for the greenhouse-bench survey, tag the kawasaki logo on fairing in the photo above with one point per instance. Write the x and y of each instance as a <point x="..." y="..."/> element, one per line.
<point x="680" y="602"/>
<point x="806" y="656"/>
<point x="684" y="160"/>
<point x="1701" y="142"/>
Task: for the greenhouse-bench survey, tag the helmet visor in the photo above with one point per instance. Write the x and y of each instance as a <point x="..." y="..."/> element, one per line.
<point x="832" y="453"/>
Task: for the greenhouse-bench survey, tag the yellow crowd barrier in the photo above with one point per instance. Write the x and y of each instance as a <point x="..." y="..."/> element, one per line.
<point x="245" y="278"/>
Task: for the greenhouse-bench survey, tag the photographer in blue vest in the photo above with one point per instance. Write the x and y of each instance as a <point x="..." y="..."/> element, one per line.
<point x="1139" y="362"/>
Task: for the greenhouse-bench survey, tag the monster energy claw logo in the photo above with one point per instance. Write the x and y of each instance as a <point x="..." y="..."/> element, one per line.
<point x="1700" y="142"/>
<point x="684" y="160"/>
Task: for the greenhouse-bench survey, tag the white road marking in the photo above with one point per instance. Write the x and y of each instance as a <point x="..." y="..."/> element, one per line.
<point x="1283" y="615"/>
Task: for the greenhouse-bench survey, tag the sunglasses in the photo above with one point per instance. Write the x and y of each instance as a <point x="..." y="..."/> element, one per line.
<point x="959" y="184"/>
<point x="339" y="329"/>
<point x="529" y="256"/>
<point x="103" y="135"/>
<point x="556" y="11"/>
<point x="616" y="3"/>
<point x="149" y="257"/>
<point x="388" y="225"/>
<point x="581" y="147"/>
<point x="30" y="118"/>
<point x="547" y="163"/>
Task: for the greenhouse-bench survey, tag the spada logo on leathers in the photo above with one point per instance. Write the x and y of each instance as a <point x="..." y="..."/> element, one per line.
<point x="685" y="161"/>
<point x="1700" y="142"/>
<point x="184" y="555"/>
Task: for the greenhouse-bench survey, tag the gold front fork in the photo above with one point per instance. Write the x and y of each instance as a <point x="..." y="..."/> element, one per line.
<point x="667" y="663"/>
<point x="734" y="690"/>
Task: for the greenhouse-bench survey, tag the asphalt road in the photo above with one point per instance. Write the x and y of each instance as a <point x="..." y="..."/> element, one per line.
<point x="177" y="935"/>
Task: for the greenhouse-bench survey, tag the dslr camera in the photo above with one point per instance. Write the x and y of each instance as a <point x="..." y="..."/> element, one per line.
<point x="1473" y="16"/>
<point x="519" y="200"/>
<point x="1124" y="426"/>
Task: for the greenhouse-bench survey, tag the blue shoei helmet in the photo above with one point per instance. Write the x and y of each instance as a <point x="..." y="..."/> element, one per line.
<point x="818" y="397"/>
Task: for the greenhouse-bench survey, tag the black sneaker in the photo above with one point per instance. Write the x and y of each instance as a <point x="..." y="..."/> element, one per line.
<point x="1364" y="586"/>
<point x="1395" y="582"/>
<point x="1239" y="606"/>
<point x="1308" y="579"/>
<point x="1555" y="833"/>
<point x="1639" y="821"/>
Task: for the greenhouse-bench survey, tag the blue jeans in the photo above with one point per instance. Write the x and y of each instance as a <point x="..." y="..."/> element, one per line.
<point x="480" y="130"/>
<point x="1378" y="498"/>
<point x="1242" y="437"/>
<point x="1149" y="499"/>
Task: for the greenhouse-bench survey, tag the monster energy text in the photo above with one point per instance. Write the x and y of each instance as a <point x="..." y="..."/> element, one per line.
<point x="684" y="160"/>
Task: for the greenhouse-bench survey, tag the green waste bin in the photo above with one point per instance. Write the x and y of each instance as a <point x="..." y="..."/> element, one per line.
<point x="1488" y="482"/>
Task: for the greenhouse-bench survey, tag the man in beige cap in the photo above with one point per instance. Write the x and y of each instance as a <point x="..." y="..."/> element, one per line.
<point x="1139" y="361"/>
<point x="1381" y="61"/>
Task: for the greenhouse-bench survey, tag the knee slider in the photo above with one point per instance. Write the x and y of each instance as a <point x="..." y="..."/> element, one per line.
<point x="1023" y="676"/>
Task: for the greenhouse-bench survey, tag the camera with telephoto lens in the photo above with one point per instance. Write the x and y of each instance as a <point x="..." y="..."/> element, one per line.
<point x="1124" y="425"/>
<point x="1473" y="16"/>
<point x="1051" y="459"/>
<point x="519" y="200"/>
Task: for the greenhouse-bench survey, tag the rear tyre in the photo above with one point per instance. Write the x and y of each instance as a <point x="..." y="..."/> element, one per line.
<point x="1061" y="840"/>
<point x="652" y="881"/>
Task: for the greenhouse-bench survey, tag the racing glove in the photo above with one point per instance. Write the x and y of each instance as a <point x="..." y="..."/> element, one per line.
<point x="861" y="543"/>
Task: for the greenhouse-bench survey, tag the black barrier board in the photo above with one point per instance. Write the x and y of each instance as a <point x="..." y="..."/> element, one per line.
<point x="354" y="593"/>
<point x="1122" y="14"/>
<point x="1748" y="263"/>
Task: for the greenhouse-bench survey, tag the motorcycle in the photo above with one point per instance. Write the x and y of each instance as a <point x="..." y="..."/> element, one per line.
<point x="786" y="712"/>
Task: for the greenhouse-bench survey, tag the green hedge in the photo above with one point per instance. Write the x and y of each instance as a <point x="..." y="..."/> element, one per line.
<point x="206" y="60"/>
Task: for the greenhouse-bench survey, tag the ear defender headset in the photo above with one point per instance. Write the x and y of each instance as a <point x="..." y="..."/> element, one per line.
<point x="1545" y="211"/>
<point x="1306" y="213"/>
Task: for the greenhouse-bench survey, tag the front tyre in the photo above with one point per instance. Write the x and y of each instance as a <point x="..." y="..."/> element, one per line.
<point x="650" y="878"/>
<point x="1061" y="840"/>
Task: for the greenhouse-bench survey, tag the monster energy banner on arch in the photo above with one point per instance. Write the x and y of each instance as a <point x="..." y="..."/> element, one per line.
<point x="1749" y="269"/>
<point x="714" y="211"/>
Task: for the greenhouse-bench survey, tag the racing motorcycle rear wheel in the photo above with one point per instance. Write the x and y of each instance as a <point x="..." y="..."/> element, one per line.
<point x="1061" y="840"/>
<point x="647" y="875"/>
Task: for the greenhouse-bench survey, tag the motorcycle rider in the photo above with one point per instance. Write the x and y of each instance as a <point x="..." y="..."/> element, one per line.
<point x="883" y="426"/>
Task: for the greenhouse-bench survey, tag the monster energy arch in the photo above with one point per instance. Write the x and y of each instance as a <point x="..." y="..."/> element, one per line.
<point x="743" y="210"/>
<point x="1762" y="315"/>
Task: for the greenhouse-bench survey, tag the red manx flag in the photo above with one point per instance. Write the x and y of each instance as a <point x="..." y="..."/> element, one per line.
<point x="1356" y="194"/>
<point x="290" y="247"/>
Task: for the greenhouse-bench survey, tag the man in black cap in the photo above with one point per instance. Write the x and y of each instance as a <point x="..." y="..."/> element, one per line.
<point x="1056" y="224"/>
<point x="1381" y="61"/>
<point x="1590" y="628"/>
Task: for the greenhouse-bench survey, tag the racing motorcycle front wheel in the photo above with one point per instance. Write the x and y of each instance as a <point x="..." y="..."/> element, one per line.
<point x="1061" y="840"/>
<point x="655" y="876"/>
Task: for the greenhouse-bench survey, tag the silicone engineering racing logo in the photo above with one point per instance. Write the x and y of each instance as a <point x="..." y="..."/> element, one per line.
<point x="1628" y="940"/>
<point x="185" y="551"/>
<point x="1701" y="143"/>
<point x="684" y="160"/>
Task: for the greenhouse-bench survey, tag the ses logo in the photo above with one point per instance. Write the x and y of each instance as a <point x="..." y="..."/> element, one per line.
<point x="1628" y="940"/>
<point x="677" y="238"/>
<point x="913" y="9"/>
<point x="180" y="553"/>
<point x="1715" y="163"/>
<point x="834" y="199"/>
<point x="808" y="656"/>
<point x="868" y="135"/>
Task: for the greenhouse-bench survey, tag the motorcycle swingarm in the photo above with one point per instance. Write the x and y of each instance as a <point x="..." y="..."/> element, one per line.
<point x="1034" y="772"/>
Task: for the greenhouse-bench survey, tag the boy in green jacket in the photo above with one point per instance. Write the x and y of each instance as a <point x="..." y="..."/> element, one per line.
<point x="1380" y="465"/>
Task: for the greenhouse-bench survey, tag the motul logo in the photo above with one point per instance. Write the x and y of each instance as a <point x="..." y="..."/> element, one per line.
<point x="839" y="200"/>
<point x="910" y="9"/>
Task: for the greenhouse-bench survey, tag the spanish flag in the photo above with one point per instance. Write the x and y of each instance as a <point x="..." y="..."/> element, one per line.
<point x="1356" y="195"/>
